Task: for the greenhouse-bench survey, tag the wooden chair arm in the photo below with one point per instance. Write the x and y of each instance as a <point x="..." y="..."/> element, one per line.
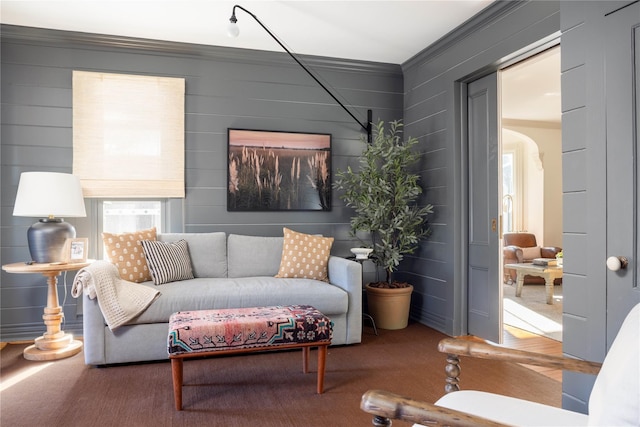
<point x="482" y="350"/>
<point x="386" y="406"/>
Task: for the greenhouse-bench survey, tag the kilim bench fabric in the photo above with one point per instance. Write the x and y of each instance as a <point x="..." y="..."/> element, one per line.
<point x="245" y="330"/>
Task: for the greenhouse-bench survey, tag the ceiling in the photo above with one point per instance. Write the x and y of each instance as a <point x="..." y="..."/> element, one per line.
<point x="531" y="89"/>
<point x="380" y="31"/>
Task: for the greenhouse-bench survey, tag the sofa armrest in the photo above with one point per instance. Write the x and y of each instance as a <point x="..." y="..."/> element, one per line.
<point x="93" y="326"/>
<point x="549" y="251"/>
<point x="347" y="274"/>
<point x="510" y="254"/>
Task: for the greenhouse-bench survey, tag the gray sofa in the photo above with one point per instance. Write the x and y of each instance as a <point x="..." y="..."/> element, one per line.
<point x="233" y="271"/>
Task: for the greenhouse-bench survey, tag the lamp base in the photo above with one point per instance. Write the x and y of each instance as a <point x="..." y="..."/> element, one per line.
<point x="46" y="239"/>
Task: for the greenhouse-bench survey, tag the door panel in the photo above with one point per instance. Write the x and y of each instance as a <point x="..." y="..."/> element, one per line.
<point x="623" y="126"/>
<point x="484" y="304"/>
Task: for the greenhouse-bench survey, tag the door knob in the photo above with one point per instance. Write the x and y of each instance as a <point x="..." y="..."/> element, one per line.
<point x="615" y="263"/>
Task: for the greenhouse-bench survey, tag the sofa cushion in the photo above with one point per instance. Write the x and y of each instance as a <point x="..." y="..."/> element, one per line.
<point x="168" y="261"/>
<point x="305" y="256"/>
<point x="125" y="251"/>
<point x="509" y="410"/>
<point x="251" y="256"/>
<point x="208" y="252"/>
<point x="206" y="294"/>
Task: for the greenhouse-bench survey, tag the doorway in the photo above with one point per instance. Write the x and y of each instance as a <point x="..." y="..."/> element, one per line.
<point x="531" y="177"/>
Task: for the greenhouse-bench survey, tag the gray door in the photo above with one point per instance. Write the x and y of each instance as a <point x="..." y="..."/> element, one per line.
<point x="484" y="291"/>
<point x="623" y="127"/>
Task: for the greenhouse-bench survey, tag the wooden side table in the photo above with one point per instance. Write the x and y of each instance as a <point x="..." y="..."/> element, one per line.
<point x="53" y="344"/>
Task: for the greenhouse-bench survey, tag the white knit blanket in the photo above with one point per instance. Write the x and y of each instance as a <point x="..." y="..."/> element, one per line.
<point x="119" y="300"/>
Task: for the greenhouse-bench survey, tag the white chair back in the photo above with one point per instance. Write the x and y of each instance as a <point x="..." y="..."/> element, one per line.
<point x="615" y="398"/>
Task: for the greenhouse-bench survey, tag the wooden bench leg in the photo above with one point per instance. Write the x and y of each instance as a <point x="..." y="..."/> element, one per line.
<point x="305" y="360"/>
<point x="176" y="373"/>
<point x="322" y="359"/>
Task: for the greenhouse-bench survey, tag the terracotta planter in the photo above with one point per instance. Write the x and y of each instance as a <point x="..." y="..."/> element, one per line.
<point x="389" y="307"/>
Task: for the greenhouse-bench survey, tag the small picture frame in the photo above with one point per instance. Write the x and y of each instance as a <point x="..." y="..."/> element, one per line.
<point x="75" y="250"/>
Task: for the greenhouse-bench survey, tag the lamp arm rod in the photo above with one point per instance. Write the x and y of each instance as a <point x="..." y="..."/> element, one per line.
<point x="366" y="128"/>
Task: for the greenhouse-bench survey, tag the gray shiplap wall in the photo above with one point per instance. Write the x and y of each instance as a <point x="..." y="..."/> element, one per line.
<point x="434" y="83"/>
<point x="433" y="86"/>
<point x="224" y="88"/>
<point x="584" y="135"/>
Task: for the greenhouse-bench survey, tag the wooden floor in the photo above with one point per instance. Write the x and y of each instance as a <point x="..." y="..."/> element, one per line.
<point x="523" y="340"/>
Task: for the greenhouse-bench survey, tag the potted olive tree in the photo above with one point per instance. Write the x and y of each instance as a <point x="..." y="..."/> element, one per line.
<point x="384" y="193"/>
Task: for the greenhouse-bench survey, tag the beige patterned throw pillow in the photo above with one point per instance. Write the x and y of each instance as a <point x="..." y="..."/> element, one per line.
<point x="125" y="251"/>
<point x="305" y="256"/>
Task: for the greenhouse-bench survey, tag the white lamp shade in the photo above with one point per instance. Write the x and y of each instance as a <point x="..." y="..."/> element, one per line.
<point x="49" y="194"/>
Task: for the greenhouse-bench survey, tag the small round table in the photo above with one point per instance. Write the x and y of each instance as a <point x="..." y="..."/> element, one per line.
<point x="53" y="344"/>
<point x="365" y="315"/>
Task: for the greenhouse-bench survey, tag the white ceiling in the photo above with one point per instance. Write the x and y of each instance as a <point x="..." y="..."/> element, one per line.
<point x="382" y="31"/>
<point x="531" y="89"/>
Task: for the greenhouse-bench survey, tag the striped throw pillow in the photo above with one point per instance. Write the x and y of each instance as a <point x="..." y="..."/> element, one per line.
<point x="168" y="261"/>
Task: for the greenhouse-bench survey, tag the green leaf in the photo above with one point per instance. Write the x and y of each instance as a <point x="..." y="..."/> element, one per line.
<point x="384" y="194"/>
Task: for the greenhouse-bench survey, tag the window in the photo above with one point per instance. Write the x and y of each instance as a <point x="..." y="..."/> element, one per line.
<point x="128" y="149"/>
<point x="122" y="216"/>
<point x="128" y="135"/>
<point x="119" y="216"/>
<point x="508" y="191"/>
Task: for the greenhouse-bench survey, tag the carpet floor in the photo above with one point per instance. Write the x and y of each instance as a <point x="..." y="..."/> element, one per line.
<point x="266" y="389"/>
<point x="531" y="313"/>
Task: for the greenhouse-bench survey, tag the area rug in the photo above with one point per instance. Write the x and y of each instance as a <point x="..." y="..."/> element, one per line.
<point x="258" y="389"/>
<point x="531" y="313"/>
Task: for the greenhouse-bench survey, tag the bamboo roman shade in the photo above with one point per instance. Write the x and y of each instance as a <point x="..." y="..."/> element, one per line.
<point x="128" y="135"/>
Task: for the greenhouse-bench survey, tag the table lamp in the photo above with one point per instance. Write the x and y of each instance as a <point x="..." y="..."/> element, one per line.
<point x="52" y="196"/>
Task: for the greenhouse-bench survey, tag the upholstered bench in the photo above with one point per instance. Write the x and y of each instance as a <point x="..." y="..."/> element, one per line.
<point x="246" y="330"/>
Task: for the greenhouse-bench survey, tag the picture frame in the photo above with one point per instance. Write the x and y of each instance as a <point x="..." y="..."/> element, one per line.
<point x="278" y="171"/>
<point x="75" y="250"/>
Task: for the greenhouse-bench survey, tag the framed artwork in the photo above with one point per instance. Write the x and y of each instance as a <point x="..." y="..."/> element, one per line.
<point x="75" y="250"/>
<point x="278" y="171"/>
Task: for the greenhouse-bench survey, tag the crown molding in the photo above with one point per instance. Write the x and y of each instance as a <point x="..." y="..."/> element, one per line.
<point x="50" y="37"/>
<point x="491" y="13"/>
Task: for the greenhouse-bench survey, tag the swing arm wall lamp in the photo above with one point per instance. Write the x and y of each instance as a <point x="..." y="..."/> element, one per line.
<point x="233" y="31"/>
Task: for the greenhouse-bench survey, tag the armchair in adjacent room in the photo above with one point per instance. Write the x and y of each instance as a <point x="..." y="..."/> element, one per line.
<point x="614" y="399"/>
<point x="523" y="247"/>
